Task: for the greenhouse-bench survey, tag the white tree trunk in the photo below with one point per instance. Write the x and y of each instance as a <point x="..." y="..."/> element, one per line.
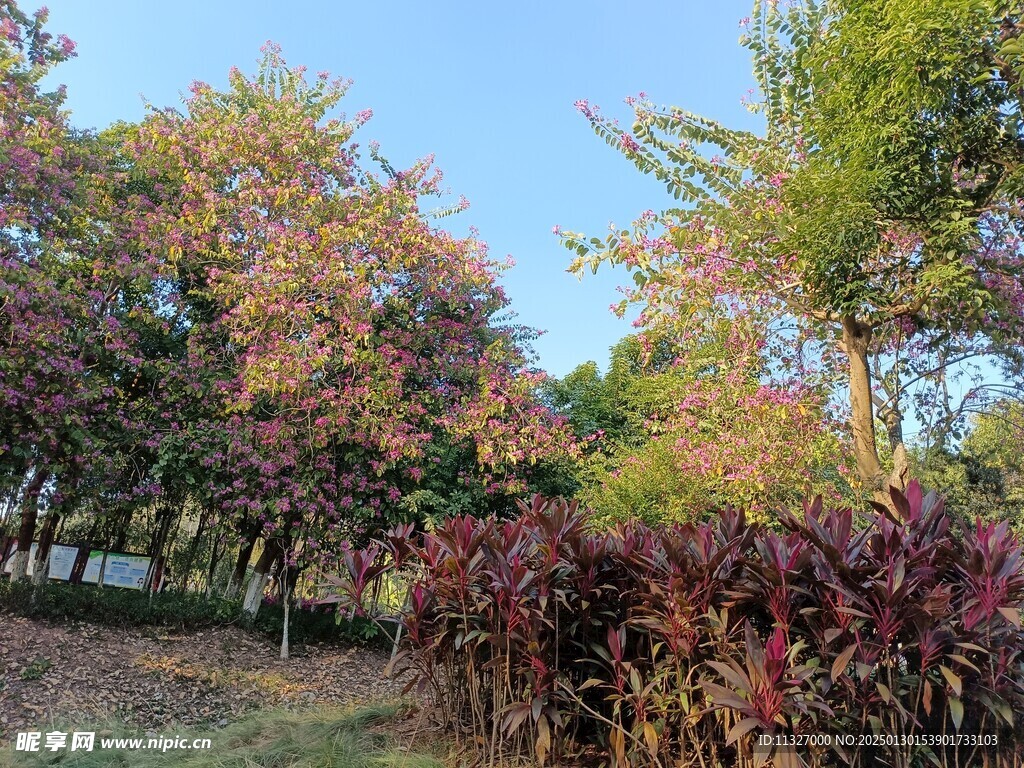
<point x="41" y="569"/>
<point x="233" y="588"/>
<point x="19" y="566"/>
<point x="254" y="594"/>
<point x="284" y="634"/>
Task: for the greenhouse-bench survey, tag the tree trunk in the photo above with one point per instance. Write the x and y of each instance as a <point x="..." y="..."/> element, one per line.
<point x="285" y="599"/>
<point x="94" y="530"/>
<point x="10" y="503"/>
<point x="121" y="540"/>
<point x="211" y="570"/>
<point x="856" y="340"/>
<point x="260" y="576"/>
<point x="900" y="461"/>
<point x="156" y="549"/>
<point x="41" y="568"/>
<point x="29" y="513"/>
<point x="103" y="569"/>
<point x="193" y="549"/>
<point x="241" y="565"/>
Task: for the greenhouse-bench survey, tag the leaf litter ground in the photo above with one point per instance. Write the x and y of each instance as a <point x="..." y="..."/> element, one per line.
<point x="150" y="679"/>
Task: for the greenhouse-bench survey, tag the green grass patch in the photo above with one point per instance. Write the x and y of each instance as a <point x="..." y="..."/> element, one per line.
<point x="270" y="739"/>
<point x="36" y="669"/>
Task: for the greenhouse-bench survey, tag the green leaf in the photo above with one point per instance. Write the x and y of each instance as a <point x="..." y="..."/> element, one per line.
<point x="956" y="711"/>
<point x="884" y="692"/>
<point x="953" y="679"/>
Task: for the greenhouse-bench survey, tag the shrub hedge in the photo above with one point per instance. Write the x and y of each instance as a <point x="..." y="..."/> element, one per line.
<point x="881" y="639"/>
<point x="183" y="611"/>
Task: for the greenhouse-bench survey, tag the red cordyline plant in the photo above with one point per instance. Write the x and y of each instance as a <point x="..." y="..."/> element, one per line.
<point x="877" y="639"/>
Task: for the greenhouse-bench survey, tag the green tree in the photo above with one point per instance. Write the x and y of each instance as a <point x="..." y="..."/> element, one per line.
<point x="985" y="475"/>
<point x="871" y="235"/>
<point x="670" y="438"/>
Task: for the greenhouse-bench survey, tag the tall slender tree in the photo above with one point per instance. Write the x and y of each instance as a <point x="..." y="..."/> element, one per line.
<point x="873" y="230"/>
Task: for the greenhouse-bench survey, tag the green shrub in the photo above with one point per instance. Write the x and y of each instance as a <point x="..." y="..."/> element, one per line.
<point x="177" y="610"/>
<point x="320" y="625"/>
<point x="36" y="669"/>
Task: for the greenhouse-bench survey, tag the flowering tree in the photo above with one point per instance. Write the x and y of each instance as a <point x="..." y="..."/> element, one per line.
<point x="35" y="177"/>
<point x="82" y="335"/>
<point x="873" y="230"/>
<point x="84" y="348"/>
<point x="220" y="314"/>
<point x="40" y="363"/>
<point x="672" y="441"/>
<point x="338" y="332"/>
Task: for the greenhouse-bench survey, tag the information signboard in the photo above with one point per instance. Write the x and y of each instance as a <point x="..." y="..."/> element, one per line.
<point x="62" y="562"/>
<point x="128" y="571"/>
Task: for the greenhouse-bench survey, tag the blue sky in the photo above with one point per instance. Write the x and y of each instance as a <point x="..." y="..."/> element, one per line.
<point x="487" y="88"/>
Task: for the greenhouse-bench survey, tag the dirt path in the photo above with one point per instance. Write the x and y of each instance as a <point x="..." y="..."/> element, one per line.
<point x="77" y="674"/>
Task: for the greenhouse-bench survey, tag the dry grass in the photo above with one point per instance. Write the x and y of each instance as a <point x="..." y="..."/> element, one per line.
<point x="323" y="738"/>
